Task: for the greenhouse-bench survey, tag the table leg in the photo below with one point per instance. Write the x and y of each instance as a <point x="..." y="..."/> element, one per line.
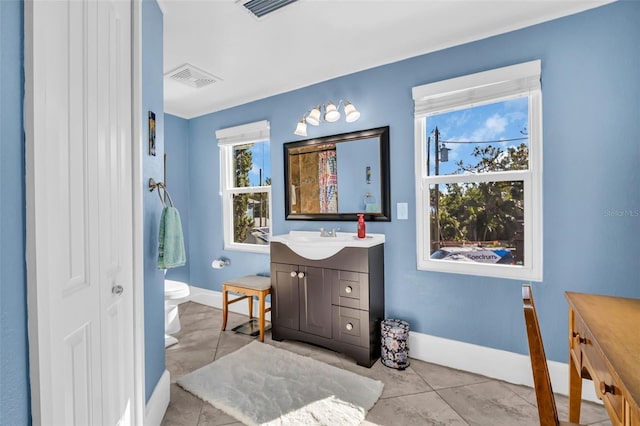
<point x="261" y="315"/>
<point x="225" y="308"/>
<point x="250" y="306"/>
<point x="575" y="391"/>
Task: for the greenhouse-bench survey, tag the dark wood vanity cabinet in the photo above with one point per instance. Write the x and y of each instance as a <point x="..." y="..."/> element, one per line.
<point x="337" y="302"/>
<point x="297" y="286"/>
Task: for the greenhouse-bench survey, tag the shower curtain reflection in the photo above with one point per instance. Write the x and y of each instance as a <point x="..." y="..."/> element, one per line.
<point x="328" y="179"/>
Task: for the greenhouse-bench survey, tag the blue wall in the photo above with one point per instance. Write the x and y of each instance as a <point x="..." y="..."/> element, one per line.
<point x="591" y="94"/>
<point x="14" y="353"/>
<point x="176" y="136"/>
<point x="152" y="167"/>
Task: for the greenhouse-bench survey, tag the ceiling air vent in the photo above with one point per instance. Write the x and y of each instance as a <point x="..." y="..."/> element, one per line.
<point x="260" y="8"/>
<point x="192" y="76"/>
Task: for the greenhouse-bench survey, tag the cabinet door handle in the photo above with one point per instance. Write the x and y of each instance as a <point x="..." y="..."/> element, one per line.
<point x="293" y="274"/>
<point x="301" y="274"/>
<point x="349" y="326"/>
<point x="579" y="339"/>
<point x="605" y="388"/>
<point x="348" y="289"/>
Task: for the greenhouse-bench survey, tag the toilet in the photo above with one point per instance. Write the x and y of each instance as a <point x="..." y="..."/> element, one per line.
<point x="175" y="292"/>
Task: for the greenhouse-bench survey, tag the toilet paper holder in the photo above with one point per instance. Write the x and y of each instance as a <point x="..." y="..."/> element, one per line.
<point x="220" y="263"/>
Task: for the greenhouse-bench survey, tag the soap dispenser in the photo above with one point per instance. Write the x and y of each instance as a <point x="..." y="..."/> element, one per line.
<point x="361" y="226"/>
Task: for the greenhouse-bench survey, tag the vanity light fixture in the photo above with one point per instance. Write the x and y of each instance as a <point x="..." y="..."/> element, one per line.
<point x="331" y="115"/>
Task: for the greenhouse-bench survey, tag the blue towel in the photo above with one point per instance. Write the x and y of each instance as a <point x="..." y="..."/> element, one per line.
<point x="171" y="243"/>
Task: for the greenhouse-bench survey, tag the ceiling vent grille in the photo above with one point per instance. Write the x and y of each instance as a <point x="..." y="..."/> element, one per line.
<point x="260" y="8"/>
<point x="192" y="76"/>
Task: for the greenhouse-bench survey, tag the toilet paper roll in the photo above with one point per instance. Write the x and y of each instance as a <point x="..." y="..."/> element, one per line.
<point x="217" y="264"/>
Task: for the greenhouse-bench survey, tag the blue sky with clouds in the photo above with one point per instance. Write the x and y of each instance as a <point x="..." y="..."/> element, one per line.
<point x="492" y="122"/>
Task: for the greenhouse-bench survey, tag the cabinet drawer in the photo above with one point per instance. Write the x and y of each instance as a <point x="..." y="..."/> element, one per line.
<point x="350" y="289"/>
<point x="606" y="389"/>
<point x="351" y="325"/>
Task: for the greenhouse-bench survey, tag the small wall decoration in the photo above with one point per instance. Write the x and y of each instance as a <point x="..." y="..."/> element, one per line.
<point x="152" y="133"/>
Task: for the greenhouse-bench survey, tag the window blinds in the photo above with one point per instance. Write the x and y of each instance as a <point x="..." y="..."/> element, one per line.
<point x="446" y="95"/>
<point x="246" y="133"/>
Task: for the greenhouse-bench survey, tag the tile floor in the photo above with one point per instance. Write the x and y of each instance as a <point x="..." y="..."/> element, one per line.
<point x="423" y="394"/>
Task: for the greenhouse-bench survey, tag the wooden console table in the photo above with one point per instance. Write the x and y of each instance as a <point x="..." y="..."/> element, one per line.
<point x="604" y="346"/>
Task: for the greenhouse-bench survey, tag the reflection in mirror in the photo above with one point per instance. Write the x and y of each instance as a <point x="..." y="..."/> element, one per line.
<point x="336" y="177"/>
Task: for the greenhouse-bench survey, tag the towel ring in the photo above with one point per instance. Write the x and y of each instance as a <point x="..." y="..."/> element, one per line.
<point x="153" y="185"/>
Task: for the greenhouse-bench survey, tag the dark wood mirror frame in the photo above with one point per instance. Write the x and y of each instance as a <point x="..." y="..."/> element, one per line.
<point x="382" y="134"/>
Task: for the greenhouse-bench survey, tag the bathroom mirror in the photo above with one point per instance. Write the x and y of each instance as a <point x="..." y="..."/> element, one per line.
<point x="336" y="177"/>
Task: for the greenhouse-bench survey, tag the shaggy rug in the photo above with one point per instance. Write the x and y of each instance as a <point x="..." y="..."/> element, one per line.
<point x="263" y="385"/>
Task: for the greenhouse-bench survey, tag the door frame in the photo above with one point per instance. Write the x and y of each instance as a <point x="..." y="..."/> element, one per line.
<point x="138" y="209"/>
<point x="33" y="306"/>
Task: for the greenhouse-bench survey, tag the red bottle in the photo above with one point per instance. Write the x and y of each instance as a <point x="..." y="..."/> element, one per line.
<point x="361" y="226"/>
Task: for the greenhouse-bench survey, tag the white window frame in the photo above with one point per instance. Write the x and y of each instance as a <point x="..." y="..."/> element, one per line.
<point x="466" y="92"/>
<point x="258" y="131"/>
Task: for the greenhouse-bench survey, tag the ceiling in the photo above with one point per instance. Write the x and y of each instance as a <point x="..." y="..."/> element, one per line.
<point x="310" y="41"/>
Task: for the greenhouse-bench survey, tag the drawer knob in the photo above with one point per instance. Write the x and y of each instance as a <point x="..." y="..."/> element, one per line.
<point x="605" y="388"/>
<point x="349" y="326"/>
<point x="300" y="274"/>
<point x="348" y="289"/>
<point x="293" y="274"/>
<point x="579" y="339"/>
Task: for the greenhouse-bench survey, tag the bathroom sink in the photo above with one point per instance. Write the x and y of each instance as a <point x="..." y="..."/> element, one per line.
<point x="310" y="245"/>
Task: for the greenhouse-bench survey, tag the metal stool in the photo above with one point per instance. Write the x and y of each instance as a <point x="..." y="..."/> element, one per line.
<point x="250" y="285"/>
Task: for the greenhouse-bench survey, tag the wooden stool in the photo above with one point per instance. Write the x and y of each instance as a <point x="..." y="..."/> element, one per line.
<point x="250" y="285"/>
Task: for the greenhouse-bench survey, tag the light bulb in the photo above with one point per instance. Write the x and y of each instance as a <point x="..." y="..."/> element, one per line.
<point x="314" y="116"/>
<point x="350" y="112"/>
<point x="301" y="128"/>
<point x="331" y="113"/>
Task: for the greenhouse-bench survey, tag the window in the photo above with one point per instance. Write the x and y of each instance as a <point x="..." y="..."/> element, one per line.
<point x="245" y="182"/>
<point x="478" y="150"/>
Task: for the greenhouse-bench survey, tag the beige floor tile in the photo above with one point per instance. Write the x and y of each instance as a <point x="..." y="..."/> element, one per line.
<point x="440" y="377"/>
<point x="426" y="408"/>
<point x="230" y="342"/>
<point x="184" y="408"/>
<point x="396" y="382"/>
<point x="195" y="339"/>
<point x="590" y="412"/>
<point x="491" y="404"/>
<point x="211" y="416"/>
<point x="188" y="361"/>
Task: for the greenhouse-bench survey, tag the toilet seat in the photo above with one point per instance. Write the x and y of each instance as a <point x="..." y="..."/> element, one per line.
<point x="175" y="289"/>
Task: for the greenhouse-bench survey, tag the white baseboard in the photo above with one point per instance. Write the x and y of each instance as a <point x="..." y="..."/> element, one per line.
<point x="159" y="401"/>
<point x="497" y="364"/>
<point x="213" y="298"/>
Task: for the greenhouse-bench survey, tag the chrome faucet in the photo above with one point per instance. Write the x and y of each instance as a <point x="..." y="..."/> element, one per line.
<point x="327" y="233"/>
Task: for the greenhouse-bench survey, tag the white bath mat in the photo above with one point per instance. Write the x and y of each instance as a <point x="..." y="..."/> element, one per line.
<point x="263" y="385"/>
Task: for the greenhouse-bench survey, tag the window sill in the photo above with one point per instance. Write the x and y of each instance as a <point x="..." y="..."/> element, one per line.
<point x="483" y="270"/>
<point x="248" y="248"/>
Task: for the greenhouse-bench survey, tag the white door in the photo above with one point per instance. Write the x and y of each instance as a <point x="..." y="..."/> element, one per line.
<point x="80" y="211"/>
